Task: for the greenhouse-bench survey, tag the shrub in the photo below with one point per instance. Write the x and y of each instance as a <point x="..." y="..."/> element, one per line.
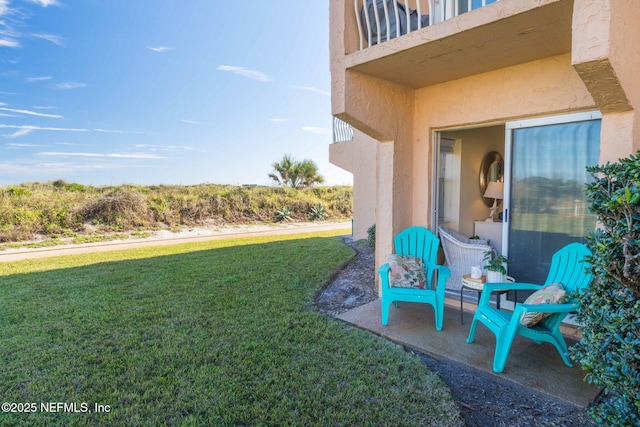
<point x="19" y="191"/>
<point x="283" y="215"/>
<point x="371" y="239"/>
<point x="317" y="212"/>
<point x="121" y="209"/>
<point x="610" y="309"/>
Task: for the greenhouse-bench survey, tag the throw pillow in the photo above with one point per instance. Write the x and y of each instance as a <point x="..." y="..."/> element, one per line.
<point x="407" y="272"/>
<point x="551" y="294"/>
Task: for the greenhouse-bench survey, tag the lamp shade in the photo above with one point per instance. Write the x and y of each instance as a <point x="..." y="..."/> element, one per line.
<point x="495" y="190"/>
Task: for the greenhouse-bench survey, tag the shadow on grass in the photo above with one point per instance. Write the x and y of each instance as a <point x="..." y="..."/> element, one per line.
<point x="215" y="333"/>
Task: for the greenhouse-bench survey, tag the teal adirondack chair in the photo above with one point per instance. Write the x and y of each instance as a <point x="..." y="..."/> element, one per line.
<point x="568" y="266"/>
<point x="422" y="243"/>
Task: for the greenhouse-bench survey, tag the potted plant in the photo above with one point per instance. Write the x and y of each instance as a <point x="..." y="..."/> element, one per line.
<point x="477" y="240"/>
<point x="496" y="270"/>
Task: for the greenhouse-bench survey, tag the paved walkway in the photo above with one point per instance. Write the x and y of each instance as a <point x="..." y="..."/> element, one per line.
<point x="194" y="235"/>
<point x="529" y="364"/>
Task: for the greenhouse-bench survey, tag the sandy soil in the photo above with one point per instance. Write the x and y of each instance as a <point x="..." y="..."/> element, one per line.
<point x="168" y="237"/>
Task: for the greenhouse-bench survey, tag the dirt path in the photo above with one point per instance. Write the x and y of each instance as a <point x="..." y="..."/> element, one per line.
<point x="162" y="238"/>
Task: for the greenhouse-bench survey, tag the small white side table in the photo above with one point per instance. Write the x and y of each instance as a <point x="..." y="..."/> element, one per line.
<point x="477" y="285"/>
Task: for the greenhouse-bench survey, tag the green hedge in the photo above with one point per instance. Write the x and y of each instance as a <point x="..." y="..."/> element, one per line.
<point x="610" y="310"/>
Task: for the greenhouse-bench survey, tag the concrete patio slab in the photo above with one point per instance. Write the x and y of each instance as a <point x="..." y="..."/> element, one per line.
<point x="529" y="364"/>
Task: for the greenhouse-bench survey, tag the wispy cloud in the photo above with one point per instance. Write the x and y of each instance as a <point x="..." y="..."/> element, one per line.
<point x="45" y="3"/>
<point x="10" y="37"/>
<point x="38" y="128"/>
<point x="32" y="113"/>
<point x="70" y="85"/>
<point x="313" y="89"/>
<point x="108" y="130"/>
<point x="19" y="133"/>
<point x="120" y="131"/>
<point x="191" y="122"/>
<point x="9" y="43"/>
<point x="252" y="74"/>
<point x="169" y="148"/>
<point x="72" y="144"/>
<point x="317" y="130"/>
<point x="44" y="107"/>
<point x="103" y="155"/>
<point x="13" y="144"/>
<point x="38" y="79"/>
<point x="34" y="167"/>
<point x="4" y="7"/>
<point x="279" y="120"/>
<point x="57" y="40"/>
<point x="159" y="48"/>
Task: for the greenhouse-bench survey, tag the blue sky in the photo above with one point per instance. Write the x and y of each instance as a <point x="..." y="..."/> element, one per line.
<point x="110" y="92"/>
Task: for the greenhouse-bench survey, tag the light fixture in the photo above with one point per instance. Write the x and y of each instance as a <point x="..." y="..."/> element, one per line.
<point x="495" y="191"/>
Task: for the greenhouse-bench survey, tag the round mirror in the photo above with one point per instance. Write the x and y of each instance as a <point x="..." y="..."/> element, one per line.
<point x="491" y="169"/>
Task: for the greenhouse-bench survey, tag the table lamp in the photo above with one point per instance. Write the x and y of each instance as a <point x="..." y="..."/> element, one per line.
<point x="495" y="191"/>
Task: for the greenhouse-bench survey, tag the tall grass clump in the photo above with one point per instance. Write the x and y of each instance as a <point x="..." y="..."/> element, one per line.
<point x="121" y="209"/>
<point x="60" y="208"/>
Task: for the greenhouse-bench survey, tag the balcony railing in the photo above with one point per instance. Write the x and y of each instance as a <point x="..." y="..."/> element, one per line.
<point x="342" y="131"/>
<point x="382" y="20"/>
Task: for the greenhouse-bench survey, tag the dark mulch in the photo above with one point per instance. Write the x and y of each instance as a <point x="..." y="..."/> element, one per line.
<point x="484" y="399"/>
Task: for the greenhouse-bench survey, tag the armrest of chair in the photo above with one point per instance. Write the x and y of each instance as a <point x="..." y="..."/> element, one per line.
<point x="521" y="309"/>
<point x="443" y="271"/>
<point x="443" y="274"/>
<point x="383" y="271"/>
<point x="546" y="308"/>
<point x="488" y="288"/>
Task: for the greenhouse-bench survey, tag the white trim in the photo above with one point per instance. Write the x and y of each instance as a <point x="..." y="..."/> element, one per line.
<point x="434" y="183"/>
<point x="553" y="120"/>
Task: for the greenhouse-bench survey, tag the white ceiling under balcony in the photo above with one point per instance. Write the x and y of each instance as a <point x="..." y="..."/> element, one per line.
<point x="503" y="34"/>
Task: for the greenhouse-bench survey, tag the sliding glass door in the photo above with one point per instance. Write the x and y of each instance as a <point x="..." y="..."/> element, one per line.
<point x="545" y="200"/>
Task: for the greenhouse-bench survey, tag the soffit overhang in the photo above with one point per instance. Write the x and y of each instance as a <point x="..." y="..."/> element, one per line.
<point x="503" y="34"/>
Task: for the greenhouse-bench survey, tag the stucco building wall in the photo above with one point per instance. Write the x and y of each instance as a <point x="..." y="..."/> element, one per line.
<point x="399" y="93"/>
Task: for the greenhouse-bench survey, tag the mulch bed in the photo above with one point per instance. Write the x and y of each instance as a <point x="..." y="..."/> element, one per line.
<point x="483" y="399"/>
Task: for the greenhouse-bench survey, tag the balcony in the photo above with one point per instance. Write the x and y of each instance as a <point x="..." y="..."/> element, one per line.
<point x="342" y="131"/>
<point x="397" y="18"/>
<point x="462" y="38"/>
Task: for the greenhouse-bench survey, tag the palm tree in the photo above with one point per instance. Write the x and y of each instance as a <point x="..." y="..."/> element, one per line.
<point x="282" y="170"/>
<point x="292" y="173"/>
<point x="307" y="173"/>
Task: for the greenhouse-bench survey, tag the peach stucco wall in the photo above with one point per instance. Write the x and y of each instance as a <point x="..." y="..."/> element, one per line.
<point x="606" y="54"/>
<point x="359" y="157"/>
<point x="598" y="73"/>
<point x="494" y="97"/>
<point x="383" y="111"/>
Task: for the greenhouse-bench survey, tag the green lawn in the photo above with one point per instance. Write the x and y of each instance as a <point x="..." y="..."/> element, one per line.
<point x="213" y="333"/>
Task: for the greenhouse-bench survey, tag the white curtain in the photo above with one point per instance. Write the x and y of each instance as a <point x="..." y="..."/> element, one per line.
<point x="548" y="207"/>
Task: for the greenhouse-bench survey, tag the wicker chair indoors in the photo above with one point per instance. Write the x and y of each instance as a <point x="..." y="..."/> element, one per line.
<point x="460" y="256"/>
